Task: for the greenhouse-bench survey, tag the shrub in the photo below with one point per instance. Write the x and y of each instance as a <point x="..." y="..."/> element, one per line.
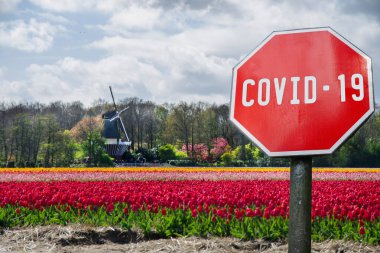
<point x="180" y="155"/>
<point x="150" y="155"/>
<point x="199" y="152"/>
<point x="220" y="145"/>
<point x="227" y="159"/>
<point x="167" y="152"/>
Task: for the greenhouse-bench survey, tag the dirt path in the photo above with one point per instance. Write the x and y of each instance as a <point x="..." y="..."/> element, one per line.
<point x="78" y="238"/>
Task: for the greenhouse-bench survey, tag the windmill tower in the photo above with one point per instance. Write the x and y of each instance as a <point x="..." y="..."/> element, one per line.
<point x="116" y="144"/>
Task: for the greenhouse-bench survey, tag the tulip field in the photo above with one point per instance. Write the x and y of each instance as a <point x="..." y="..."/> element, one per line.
<point x="246" y="203"/>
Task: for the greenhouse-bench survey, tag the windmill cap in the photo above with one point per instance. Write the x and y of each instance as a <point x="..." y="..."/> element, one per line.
<point x="109" y="115"/>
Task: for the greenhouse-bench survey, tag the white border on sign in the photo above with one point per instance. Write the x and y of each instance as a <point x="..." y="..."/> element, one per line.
<point x="304" y="152"/>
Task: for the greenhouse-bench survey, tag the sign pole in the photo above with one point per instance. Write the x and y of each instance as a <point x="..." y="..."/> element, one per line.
<point x="299" y="237"/>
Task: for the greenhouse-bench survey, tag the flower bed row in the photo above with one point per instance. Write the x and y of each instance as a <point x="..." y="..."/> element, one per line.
<point x="184" y="169"/>
<point x="124" y="174"/>
<point x="242" y="208"/>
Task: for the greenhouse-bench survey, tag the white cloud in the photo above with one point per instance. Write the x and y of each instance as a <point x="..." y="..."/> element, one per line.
<point x="195" y="59"/>
<point x="8" y="5"/>
<point x="41" y="86"/>
<point x="63" y="5"/>
<point x="53" y="18"/>
<point x="135" y="18"/>
<point x="80" y="5"/>
<point x="13" y="91"/>
<point x="167" y="50"/>
<point x="32" y="36"/>
<point x="159" y="72"/>
<point x="111" y="5"/>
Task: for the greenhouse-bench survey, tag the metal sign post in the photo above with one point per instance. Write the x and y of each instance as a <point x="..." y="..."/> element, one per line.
<point x="299" y="238"/>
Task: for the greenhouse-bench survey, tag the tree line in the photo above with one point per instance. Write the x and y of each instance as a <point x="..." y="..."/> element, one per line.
<point x="65" y="134"/>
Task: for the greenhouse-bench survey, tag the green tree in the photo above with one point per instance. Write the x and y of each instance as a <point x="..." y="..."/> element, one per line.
<point x="181" y="120"/>
<point x="93" y="148"/>
<point x="161" y="115"/>
<point x="68" y="149"/>
<point x="52" y="142"/>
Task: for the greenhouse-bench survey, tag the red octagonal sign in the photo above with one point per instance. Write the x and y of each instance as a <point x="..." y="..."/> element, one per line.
<point x="302" y="92"/>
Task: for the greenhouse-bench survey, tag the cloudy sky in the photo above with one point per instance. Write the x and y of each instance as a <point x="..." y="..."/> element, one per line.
<point x="161" y="50"/>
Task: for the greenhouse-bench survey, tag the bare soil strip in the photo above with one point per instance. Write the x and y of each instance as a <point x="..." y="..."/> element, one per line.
<point x="79" y="238"/>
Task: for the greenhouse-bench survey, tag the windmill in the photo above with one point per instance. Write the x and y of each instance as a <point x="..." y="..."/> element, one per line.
<point x="116" y="144"/>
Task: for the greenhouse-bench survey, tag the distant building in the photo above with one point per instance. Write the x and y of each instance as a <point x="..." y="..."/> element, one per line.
<point x="113" y="126"/>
